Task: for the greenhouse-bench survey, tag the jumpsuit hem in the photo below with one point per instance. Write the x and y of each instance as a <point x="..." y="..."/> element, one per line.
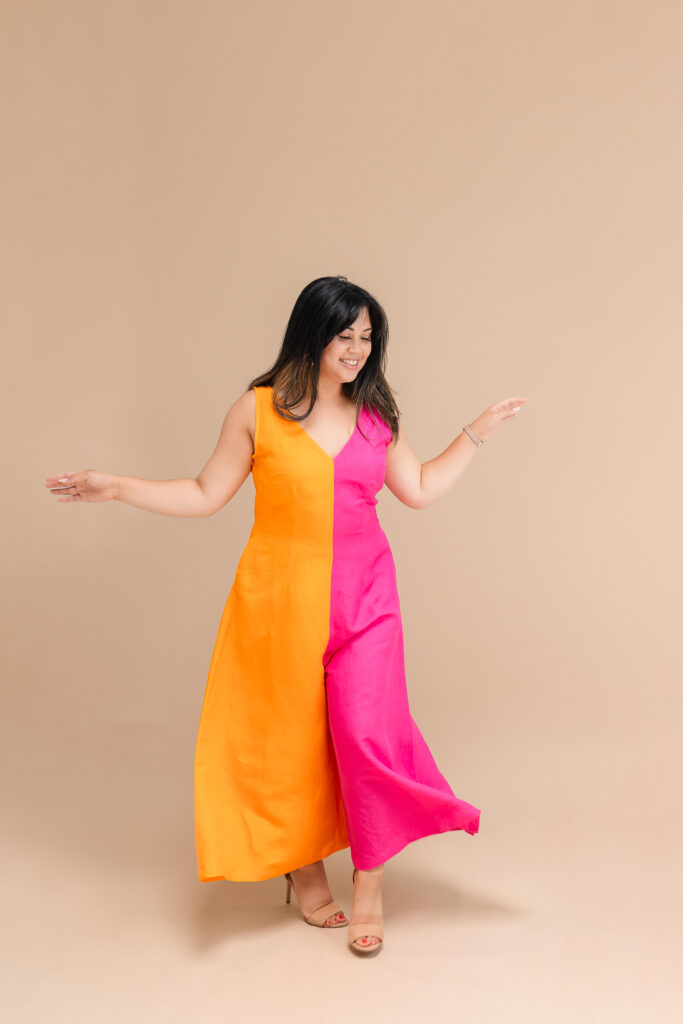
<point x="238" y="876"/>
<point x="472" y="828"/>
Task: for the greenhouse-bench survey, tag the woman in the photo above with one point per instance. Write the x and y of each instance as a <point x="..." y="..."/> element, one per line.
<point x="306" y="744"/>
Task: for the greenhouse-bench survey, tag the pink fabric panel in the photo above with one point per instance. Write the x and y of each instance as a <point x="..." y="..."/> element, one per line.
<point x="392" y="789"/>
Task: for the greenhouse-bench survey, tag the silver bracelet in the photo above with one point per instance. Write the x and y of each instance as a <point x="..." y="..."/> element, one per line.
<point x="470" y="433"/>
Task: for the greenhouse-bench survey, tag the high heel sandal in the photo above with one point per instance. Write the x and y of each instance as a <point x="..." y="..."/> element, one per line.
<point x="322" y="915"/>
<point x="371" y="928"/>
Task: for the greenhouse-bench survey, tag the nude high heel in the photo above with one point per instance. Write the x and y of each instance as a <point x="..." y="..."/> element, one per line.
<point x="322" y="915"/>
<point x="371" y="928"/>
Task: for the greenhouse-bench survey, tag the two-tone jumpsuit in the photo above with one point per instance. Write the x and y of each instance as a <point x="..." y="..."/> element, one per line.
<point x="306" y="744"/>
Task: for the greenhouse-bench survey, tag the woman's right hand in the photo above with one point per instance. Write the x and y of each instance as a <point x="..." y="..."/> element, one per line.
<point x="85" y="485"/>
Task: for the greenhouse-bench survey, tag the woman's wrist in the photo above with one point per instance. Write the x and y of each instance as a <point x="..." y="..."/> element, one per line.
<point x="469" y="431"/>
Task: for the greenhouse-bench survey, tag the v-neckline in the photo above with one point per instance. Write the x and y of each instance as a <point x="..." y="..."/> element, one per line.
<point x="332" y="458"/>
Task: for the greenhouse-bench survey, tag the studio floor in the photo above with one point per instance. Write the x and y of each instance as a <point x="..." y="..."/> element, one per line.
<point x="553" y="918"/>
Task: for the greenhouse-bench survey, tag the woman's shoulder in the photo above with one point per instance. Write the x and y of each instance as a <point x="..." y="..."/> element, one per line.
<point x="375" y="418"/>
<point x="243" y="411"/>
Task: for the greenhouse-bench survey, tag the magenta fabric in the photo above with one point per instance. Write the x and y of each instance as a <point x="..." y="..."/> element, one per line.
<point x="392" y="790"/>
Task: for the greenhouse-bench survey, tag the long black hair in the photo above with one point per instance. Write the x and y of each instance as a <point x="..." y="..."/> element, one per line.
<point x="325" y="308"/>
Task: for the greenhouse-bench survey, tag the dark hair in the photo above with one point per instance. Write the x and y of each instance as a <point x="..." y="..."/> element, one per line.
<point x="325" y="308"/>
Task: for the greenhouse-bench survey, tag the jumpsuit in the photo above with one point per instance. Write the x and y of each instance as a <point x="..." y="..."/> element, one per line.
<point x="306" y="744"/>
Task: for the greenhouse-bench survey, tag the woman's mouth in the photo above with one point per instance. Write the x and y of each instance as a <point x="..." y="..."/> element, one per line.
<point x="349" y="362"/>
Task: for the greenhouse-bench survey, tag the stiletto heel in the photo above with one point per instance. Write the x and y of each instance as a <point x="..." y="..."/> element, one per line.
<point x="320" y="918"/>
<point x="371" y="928"/>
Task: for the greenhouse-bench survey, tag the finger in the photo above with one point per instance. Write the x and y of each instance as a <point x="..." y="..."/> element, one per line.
<point x="63" y="490"/>
<point x="508" y="403"/>
<point x="66" y="479"/>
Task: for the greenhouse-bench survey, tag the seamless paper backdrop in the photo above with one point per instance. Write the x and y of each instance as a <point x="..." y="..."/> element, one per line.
<point x="505" y="177"/>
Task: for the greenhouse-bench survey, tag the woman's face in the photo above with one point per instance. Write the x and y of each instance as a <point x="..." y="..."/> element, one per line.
<point x="345" y="356"/>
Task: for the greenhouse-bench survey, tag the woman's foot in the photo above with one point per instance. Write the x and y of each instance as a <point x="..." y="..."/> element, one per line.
<point x="312" y="892"/>
<point x="367" y="903"/>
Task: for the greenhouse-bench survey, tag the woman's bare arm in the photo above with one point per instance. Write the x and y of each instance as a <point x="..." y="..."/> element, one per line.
<point x="418" y="484"/>
<point x="230" y="463"/>
<point x="212" y="488"/>
<point x="405" y="474"/>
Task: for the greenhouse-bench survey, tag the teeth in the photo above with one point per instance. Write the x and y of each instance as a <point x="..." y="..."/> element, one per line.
<point x="350" y="362"/>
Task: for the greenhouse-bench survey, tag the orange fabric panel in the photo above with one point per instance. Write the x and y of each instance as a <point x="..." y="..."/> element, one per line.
<point x="267" y="794"/>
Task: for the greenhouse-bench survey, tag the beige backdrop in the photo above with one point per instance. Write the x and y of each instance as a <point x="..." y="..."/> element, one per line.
<point x="506" y="178"/>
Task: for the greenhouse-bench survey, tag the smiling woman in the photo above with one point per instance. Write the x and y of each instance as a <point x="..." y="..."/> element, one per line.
<point x="306" y="743"/>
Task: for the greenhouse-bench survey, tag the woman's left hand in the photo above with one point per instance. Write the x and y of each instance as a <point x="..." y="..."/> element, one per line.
<point x="486" y="425"/>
